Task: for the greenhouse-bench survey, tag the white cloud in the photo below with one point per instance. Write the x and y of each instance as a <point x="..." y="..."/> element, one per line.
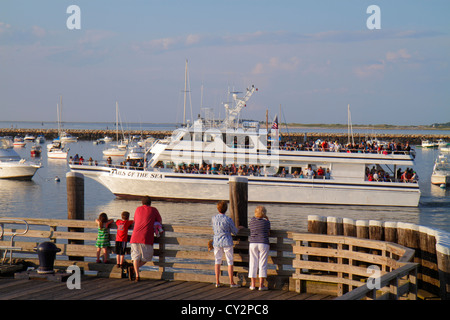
<point x="401" y="54"/>
<point x="276" y="64"/>
<point x="370" y="70"/>
<point x="38" y="31"/>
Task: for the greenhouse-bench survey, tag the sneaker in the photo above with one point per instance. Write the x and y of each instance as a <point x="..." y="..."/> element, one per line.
<point x="252" y="288"/>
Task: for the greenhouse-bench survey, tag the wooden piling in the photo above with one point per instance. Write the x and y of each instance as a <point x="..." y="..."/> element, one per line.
<point x="239" y="200"/>
<point x="349" y="227"/>
<point x="317" y="224"/>
<point x="362" y="229"/>
<point x="75" y="202"/>
<point x="376" y="230"/>
<point x="390" y="231"/>
<point x="335" y="226"/>
<point x="429" y="270"/>
<point x="443" y="261"/>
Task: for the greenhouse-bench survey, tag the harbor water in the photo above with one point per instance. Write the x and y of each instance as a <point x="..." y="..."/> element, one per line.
<point x="45" y="197"/>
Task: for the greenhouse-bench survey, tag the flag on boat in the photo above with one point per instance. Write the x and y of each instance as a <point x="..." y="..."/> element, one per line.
<point x="275" y="122"/>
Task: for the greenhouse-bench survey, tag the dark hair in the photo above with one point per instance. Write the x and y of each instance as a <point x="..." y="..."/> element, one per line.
<point x="103" y="217"/>
<point x="125" y="215"/>
<point x="146" y="201"/>
<point x="222" y="206"/>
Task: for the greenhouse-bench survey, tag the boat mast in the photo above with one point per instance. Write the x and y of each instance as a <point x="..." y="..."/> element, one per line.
<point x="349" y="125"/>
<point x="185" y="84"/>
<point x="117" y="122"/>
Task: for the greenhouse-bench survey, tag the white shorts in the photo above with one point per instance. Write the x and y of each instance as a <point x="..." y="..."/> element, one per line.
<point x="218" y="254"/>
<point x="142" y="252"/>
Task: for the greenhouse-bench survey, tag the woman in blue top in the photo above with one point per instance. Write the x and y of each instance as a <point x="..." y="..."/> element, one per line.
<point x="223" y="227"/>
<point x="259" y="247"/>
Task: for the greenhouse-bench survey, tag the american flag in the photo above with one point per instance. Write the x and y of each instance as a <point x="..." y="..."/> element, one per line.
<point x="275" y="123"/>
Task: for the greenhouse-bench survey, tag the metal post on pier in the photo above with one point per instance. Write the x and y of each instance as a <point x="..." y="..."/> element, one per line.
<point x="75" y="203"/>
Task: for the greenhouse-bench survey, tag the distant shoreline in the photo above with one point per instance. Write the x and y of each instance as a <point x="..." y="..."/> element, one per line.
<point x="282" y="126"/>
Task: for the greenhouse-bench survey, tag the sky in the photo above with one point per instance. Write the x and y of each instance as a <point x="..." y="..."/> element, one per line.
<point x="311" y="59"/>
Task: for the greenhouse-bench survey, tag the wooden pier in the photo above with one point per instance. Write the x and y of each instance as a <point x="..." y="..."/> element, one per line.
<point x="301" y="266"/>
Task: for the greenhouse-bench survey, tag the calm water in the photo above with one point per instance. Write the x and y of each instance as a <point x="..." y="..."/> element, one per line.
<point x="43" y="197"/>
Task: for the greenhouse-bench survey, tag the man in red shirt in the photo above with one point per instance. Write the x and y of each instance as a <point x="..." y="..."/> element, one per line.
<point x="142" y="237"/>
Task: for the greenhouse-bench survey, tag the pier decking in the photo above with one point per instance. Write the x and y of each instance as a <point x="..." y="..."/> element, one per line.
<point x="95" y="288"/>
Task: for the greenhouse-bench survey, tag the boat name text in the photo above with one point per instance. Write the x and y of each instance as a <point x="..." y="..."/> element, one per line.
<point x="136" y="174"/>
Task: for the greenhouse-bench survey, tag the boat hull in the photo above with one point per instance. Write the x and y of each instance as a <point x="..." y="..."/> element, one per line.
<point x="131" y="184"/>
<point x="438" y="179"/>
<point x="17" y="171"/>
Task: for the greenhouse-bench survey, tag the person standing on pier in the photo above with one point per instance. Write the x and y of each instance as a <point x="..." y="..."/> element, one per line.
<point x="103" y="242"/>
<point x="223" y="228"/>
<point x="259" y="247"/>
<point x="142" y="238"/>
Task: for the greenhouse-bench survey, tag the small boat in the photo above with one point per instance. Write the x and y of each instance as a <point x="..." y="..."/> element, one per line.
<point x="107" y="139"/>
<point x="57" y="151"/>
<point x="442" y="143"/>
<point x="135" y="153"/>
<point x="12" y="166"/>
<point x="428" y="144"/>
<point x="29" y="137"/>
<point x="36" y="150"/>
<point x="441" y="171"/>
<point x="115" y="152"/>
<point x="40" y="139"/>
<point x="98" y="141"/>
<point x="67" y="138"/>
<point x="19" y="141"/>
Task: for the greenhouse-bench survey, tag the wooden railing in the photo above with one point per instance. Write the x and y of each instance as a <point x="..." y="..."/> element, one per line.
<point x="369" y="265"/>
<point x="181" y="252"/>
<point x="296" y="260"/>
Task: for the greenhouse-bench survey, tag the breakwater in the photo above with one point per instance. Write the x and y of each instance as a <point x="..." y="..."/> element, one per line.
<point x="87" y="135"/>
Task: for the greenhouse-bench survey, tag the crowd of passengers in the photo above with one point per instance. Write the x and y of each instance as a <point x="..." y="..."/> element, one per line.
<point x="362" y="147"/>
<point x="251" y="170"/>
<point x="409" y="175"/>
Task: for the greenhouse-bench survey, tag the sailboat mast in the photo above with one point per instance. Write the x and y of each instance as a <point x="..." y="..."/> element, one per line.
<point x="117" y="122"/>
<point x="185" y="91"/>
<point x="349" y="124"/>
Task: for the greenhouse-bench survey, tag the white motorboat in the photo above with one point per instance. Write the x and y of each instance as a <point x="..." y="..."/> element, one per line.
<point x="441" y="171"/>
<point x="442" y="143"/>
<point x="68" y="138"/>
<point x="29" y="137"/>
<point x="174" y="168"/>
<point x="57" y="150"/>
<point x="40" y="139"/>
<point x="12" y="166"/>
<point x="429" y="144"/>
<point x="135" y="153"/>
<point x="19" y="141"/>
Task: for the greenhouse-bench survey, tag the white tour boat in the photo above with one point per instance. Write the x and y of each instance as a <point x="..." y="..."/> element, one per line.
<point x="276" y="174"/>
<point x="12" y="166"/>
